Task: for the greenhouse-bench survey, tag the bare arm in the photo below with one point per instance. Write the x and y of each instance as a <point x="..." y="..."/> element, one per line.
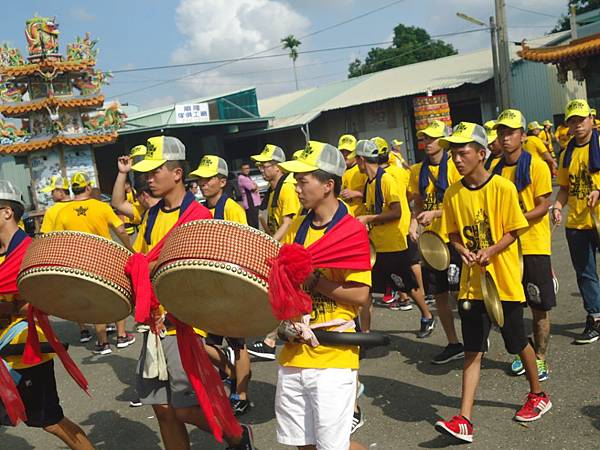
<point x="282" y="230"/>
<point x="485" y="254"/>
<point x="119" y="198"/>
<point x="350" y="293"/>
<point x="390" y="215"/>
<point x="540" y="210"/>
<point x="123" y="236"/>
<point x="561" y="200"/>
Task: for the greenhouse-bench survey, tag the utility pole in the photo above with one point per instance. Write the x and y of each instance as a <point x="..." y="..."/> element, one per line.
<point x="573" y="22"/>
<point x="497" y="89"/>
<point x="503" y="54"/>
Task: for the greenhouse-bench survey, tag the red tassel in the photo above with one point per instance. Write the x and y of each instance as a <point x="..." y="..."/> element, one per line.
<point x="65" y="359"/>
<point x="10" y="397"/>
<point x="206" y="383"/>
<point x="138" y="271"/>
<point x="33" y="353"/>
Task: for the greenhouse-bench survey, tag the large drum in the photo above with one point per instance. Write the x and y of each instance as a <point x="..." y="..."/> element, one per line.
<point x="77" y="276"/>
<point x="213" y="274"/>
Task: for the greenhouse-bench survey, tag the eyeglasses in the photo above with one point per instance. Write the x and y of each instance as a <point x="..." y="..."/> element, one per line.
<point x="264" y="166"/>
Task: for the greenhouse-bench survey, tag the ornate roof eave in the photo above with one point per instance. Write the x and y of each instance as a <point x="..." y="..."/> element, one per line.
<point x="46" y="144"/>
<point x="577" y="49"/>
<point x="47" y="66"/>
<point x="17" y="109"/>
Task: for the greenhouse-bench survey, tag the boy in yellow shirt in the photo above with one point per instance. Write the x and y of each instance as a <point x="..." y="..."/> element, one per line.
<point x="534" y="145"/>
<point x="482" y="217"/>
<point x="316" y="387"/>
<point x="353" y="181"/>
<point x="59" y="190"/>
<point x="429" y="180"/>
<point x="533" y="181"/>
<point x="579" y="181"/>
<point x="36" y="383"/>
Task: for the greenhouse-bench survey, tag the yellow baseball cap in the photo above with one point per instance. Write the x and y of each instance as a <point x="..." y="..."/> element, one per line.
<point x="511" y="118"/>
<point x="382" y="145"/>
<point x="465" y="132"/>
<point x="80" y="180"/>
<point x="578" y="107"/>
<point x="435" y="129"/>
<point x="534" y="126"/>
<point x="317" y="156"/>
<point x="547" y="123"/>
<point x="397" y="143"/>
<point x="297" y="154"/>
<point x="492" y="135"/>
<point x="138" y="150"/>
<point x="270" y="153"/>
<point x="211" y="166"/>
<point x="593" y="111"/>
<point x="347" y="142"/>
<point x="56" y="182"/>
<point x="159" y="150"/>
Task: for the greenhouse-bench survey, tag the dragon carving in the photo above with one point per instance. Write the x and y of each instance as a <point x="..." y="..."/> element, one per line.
<point x="82" y="49"/>
<point x="42" y="36"/>
<point x="11" y="92"/>
<point x="112" y="117"/>
<point x="91" y="82"/>
<point x="10" y="56"/>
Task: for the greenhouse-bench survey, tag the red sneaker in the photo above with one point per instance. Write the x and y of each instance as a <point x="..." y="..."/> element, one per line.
<point x="388" y="297"/>
<point x="535" y="406"/>
<point x="458" y="427"/>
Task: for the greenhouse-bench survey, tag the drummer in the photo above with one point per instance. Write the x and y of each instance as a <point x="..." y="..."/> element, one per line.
<point x="481" y="215"/>
<point x="59" y="190"/>
<point x="383" y="213"/>
<point x="533" y="181"/>
<point x="212" y="176"/>
<point x="173" y="400"/>
<point x="316" y="387"/>
<point x="493" y="145"/>
<point x="281" y="203"/>
<point x="37" y="383"/>
<point x="429" y="180"/>
<point x="89" y="215"/>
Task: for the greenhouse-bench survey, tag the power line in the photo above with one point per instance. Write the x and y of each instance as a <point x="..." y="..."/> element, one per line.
<point x="531" y="11"/>
<point x="269" y="49"/>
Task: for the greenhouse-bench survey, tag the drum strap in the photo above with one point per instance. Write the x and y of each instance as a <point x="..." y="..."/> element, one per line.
<point x="378" y="191"/>
<point x="276" y="193"/>
<point x="308" y="219"/>
<point x="153" y="214"/>
<point x="220" y="207"/>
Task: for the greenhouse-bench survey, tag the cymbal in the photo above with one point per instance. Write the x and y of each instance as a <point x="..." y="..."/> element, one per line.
<point x="372" y="252"/>
<point x="434" y="250"/>
<point x="491" y="298"/>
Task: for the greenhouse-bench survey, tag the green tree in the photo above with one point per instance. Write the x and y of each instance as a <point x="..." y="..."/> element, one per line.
<point x="410" y="45"/>
<point x="291" y="43"/>
<point x="581" y="6"/>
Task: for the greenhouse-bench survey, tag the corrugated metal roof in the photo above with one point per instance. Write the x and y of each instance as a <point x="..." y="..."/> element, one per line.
<point x="300" y="107"/>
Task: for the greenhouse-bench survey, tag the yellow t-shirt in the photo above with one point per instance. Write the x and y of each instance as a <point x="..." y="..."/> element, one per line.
<point x="482" y="216"/>
<point x="355" y="181"/>
<point x="287" y="205"/>
<point x="535" y="146"/>
<point x="396" y="159"/>
<point x="16" y="362"/>
<point x="88" y="216"/>
<point x="402" y="177"/>
<point x="562" y="136"/>
<point x="389" y="236"/>
<point x="49" y="222"/>
<point x="324" y="310"/>
<point x="580" y="182"/>
<point x="232" y="212"/>
<point x="430" y="202"/>
<point x="535" y="240"/>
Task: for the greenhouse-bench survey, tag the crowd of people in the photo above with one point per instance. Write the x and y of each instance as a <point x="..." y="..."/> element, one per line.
<point x="484" y="190"/>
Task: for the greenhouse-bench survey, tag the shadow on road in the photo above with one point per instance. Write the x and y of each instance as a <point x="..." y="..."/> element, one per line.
<point x="110" y="430"/>
<point x="593" y="412"/>
<point x="15" y="442"/>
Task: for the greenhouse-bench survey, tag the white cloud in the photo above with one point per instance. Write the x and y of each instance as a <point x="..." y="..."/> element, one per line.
<point x="81" y="14"/>
<point x="222" y="30"/>
<point x="159" y="101"/>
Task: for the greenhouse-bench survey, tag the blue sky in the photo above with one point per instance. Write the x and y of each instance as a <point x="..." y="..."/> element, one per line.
<point x="141" y="33"/>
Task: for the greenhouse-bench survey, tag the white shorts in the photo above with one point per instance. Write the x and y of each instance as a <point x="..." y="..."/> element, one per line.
<point x="315" y="407"/>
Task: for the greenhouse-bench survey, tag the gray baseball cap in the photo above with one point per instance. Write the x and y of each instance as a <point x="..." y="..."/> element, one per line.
<point x="465" y="132"/>
<point x="367" y="149"/>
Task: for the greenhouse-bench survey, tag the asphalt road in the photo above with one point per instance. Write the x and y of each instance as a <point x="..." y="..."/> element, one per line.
<point x="405" y="394"/>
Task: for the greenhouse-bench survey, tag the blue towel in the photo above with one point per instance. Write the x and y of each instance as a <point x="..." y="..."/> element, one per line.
<point x="153" y="214"/>
<point x="340" y="213"/>
<point x="594" y="158"/>
<point x="220" y="207"/>
<point x="523" y="175"/>
<point x="10" y="334"/>
<point x="441" y="184"/>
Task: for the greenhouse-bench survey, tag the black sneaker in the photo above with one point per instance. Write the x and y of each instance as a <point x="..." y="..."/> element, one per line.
<point x="591" y="333"/>
<point x="102" y="349"/>
<point x="125" y="341"/>
<point x="135" y="403"/>
<point x="450" y="353"/>
<point x="357" y="420"/>
<point x="111" y="328"/>
<point x="427" y="326"/>
<point x="247" y="440"/>
<point x="239" y="406"/>
<point x="262" y="350"/>
<point x="85" y="336"/>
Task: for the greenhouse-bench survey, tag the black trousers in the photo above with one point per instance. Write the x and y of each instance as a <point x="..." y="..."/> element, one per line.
<point x="252" y="216"/>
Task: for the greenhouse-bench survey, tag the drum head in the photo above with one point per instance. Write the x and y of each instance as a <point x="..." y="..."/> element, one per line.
<point x="73" y="295"/>
<point x="434" y="251"/>
<point x="491" y="299"/>
<point x="219" y="298"/>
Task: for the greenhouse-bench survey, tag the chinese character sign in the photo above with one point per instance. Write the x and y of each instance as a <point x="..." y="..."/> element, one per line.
<point x="194" y="112"/>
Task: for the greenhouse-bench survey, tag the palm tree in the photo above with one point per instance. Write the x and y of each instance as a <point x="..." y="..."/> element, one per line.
<point x="290" y="42"/>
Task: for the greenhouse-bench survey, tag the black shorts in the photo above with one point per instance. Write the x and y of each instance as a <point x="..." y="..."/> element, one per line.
<point x="393" y="269"/>
<point x="413" y="251"/>
<point x="440" y="281"/>
<point x="37" y="388"/>
<point x="537" y="282"/>
<point x="476" y="325"/>
<point x="234" y="343"/>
